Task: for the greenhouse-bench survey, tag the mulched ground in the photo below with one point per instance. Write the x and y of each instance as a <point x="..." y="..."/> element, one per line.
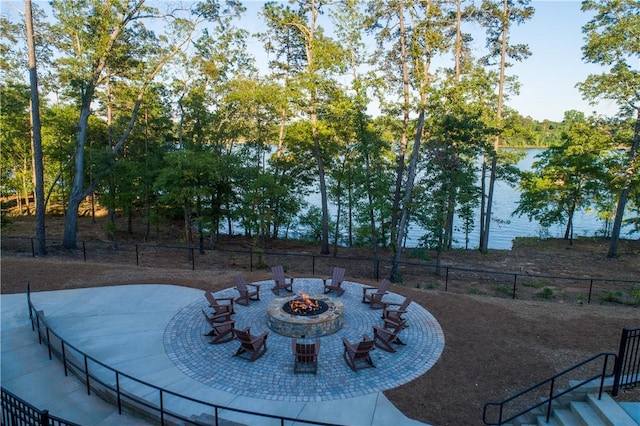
<point x="494" y="346"/>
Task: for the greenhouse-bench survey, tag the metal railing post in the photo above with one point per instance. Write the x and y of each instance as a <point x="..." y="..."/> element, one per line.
<point x="515" y="280"/>
<point x="553" y="381"/>
<point x="49" y="343"/>
<point x="44" y="417"/>
<point x="84" y="251"/>
<point x="86" y="374"/>
<point x="137" y="256"/>
<point x="64" y="358"/>
<point x="446" y="278"/>
<point x="590" y="290"/>
<point x="118" y="396"/>
<point x="617" y="369"/>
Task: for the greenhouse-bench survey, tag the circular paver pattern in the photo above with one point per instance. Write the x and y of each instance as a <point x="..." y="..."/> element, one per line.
<point x="271" y="376"/>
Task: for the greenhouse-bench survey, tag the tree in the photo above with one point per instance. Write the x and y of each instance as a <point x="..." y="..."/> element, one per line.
<point x="389" y="21"/>
<point x="115" y="38"/>
<point x="567" y="177"/>
<point x="498" y="17"/>
<point x="36" y="132"/>
<point x="323" y="56"/>
<point x="612" y="40"/>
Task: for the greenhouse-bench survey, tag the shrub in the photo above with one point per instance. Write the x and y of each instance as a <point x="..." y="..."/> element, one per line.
<point x="546" y="293"/>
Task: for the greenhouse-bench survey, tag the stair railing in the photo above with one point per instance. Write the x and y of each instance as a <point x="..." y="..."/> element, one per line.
<point x="551" y="395"/>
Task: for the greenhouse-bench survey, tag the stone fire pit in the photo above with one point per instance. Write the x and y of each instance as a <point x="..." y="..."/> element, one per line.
<point x="304" y="325"/>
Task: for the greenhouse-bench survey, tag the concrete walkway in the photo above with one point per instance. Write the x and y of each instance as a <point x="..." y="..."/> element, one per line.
<point x="154" y="333"/>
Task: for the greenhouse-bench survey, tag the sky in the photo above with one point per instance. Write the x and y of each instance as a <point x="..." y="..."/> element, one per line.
<point x="548" y="77"/>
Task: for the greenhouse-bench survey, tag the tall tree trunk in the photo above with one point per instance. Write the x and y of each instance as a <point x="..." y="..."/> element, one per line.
<point x="38" y="166"/>
<point x="77" y="188"/>
<point x="630" y="172"/>
<point x="395" y="209"/>
<point x="484" y="237"/>
<point x="404" y="219"/>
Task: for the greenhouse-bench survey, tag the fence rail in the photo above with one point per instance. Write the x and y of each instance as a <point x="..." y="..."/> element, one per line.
<point x="415" y="273"/>
<point x="17" y="412"/>
<point x="628" y="364"/>
<point x="122" y="387"/>
<point x="546" y="392"/>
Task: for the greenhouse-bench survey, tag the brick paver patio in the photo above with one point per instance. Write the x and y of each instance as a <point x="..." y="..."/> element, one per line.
<point x="271" y="377"/>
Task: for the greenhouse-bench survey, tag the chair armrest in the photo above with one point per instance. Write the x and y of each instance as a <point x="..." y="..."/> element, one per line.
<point x="255" y="285"/>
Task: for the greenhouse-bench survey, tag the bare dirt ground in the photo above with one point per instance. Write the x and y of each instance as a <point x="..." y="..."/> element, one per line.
<point x="494" y="346"/>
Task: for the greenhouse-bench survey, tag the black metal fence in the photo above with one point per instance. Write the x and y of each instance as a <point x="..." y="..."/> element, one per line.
<point x="625" y="373"/>
<point x="628" y="363"/>
<point x="17" y="412"/>
<point x="125" y="390"/>
<point x="416" y="273"/>
<point x="543" y="394"/>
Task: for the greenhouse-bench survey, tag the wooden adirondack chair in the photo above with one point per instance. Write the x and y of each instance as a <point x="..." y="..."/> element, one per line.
<point x="373" y="295"/>
<point x="305" y="356"/>
<point x="221" y="306"/>
<point x="393" y="313"/>
<point x="336" y="281"/>
<point x="221" y="332"/>
<point x="282" y="281"/>
<point x="252" y="347"/>
<point x="357" y="355"/>
<point x="246" y="294"/>
<point x="385" y="338"/>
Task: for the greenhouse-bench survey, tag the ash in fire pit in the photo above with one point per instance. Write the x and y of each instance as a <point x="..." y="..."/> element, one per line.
<point x="303" y="305"/>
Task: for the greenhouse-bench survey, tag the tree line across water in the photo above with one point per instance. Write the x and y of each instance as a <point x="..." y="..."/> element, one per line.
<point x="158" y="110"/>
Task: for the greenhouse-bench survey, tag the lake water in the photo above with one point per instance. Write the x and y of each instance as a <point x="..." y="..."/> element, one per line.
<point x="505" y="227"/>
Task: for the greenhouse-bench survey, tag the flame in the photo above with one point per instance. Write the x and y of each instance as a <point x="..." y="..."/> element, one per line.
<point x="303" y="304"/>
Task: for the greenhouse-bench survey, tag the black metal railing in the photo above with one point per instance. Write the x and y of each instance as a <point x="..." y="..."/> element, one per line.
<point x="416" y="273"/>
<point x="628" y="363"/>
<point x="17" y="412"/>
<point x="545" y="393"/>
<point x="84" y="365"/>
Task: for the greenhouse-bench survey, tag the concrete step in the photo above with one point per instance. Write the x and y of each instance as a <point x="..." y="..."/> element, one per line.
<point x="610" y="411"/>
<point x="566" y="417"/>
<point x="586" y="414"/>
<point x="542" y="421"/>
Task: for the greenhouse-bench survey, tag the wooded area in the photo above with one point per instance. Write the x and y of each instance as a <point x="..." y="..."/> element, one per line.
<point x="162" y="110"/>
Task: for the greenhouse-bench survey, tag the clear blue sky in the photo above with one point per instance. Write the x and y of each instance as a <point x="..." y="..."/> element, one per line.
<point x="548" y="77"/>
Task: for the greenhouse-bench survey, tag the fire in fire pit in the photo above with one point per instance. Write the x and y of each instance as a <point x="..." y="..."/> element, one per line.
<point x="303" y="305"/>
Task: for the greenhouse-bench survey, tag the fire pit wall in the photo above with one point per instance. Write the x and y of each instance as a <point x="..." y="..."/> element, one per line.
<point x="300" y="326"/>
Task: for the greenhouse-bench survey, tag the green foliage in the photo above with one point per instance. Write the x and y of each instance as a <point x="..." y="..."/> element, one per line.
<point x="502" y="289"/>
<point x="611" y="296"/>
<point x="535" y="284"/>
<point x="474" y="290"/>
<point x="567" y="177"/>
<point x="546" y="293"/>
<point x="431" y="285"/>
<point x="419" y="253"/>
<point x="260" y="263"/>
<point x="311" y="224"/>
